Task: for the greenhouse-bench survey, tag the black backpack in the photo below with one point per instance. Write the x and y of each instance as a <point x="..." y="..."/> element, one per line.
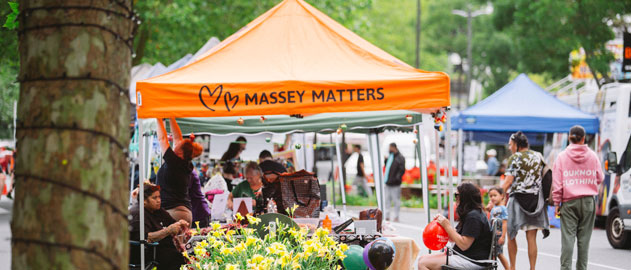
<point x="546" y="183"/>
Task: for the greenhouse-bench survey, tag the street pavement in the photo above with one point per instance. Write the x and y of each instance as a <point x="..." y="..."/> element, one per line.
<point x="5" y="233"/>
<point x="601" y="257"/>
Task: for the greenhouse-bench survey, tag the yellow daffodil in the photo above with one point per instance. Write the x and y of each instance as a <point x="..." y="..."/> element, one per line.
<point x="256" y="259"/>
<point x="253" y="220"/>
<point x="321" y="232"/>
<point x="232" y="267"/>
<point x="215" y="226"/>
<point x="343" y="247"/>
<point x="285" y="260"/>
<point x="239" y="248"/>
<point x="203" y="244"/>
<point x="197" y="225"/>
<point x="340" y="254"/>
<point x="238" y="216"/>
<point x="226" y="251"/>
<point x="199" y="251"/>
<point x="250" y="241"/>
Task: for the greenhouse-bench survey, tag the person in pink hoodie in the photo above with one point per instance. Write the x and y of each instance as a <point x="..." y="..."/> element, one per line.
<point x="576" y="176"/>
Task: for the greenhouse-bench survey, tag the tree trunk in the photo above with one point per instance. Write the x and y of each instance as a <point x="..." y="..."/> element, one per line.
<point x="70" y="209"/>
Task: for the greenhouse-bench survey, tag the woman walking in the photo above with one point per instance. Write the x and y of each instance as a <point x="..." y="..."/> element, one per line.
<point x="526" y="209"/>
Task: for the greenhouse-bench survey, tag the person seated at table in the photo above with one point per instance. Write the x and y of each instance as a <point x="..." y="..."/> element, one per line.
<point x="471" y="237"/>
<point x="252" y="188"/>
<point x="159" y="227"/>
<point x="175" y="173"/>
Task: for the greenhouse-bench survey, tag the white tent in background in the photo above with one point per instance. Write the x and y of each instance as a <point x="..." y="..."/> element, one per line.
<point x="145" y="71"/>
<point x="212" y="42"/>
<point x="179" y="63"/>
<point x="138" y="72"/>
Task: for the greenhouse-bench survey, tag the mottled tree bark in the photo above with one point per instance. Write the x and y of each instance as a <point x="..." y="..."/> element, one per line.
<point x="73" y="130"/>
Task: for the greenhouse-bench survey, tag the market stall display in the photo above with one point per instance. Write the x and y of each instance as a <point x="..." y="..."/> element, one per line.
<point x="292" y="60"/>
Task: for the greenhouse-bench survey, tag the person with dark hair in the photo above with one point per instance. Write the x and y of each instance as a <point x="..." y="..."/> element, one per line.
<point x="159" y="227"/>
<point x="360" y="179"/>
<point x="230" y="160"/>
<point x="269" y="166"/>
<point x="251" y="188"/>
<point x="471" y="237"/>
<point x="174" y="174"/>
<point x="395" y="168"/>
<point x="526" y="207"/>
<point x="576" y="175"/>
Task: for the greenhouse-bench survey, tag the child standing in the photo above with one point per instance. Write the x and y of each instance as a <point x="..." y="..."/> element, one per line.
<point x="496" y="194"/>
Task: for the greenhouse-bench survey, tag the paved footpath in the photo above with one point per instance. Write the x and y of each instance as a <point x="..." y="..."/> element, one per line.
<point x="602" y="256"/>
<point x="5" y="233"/>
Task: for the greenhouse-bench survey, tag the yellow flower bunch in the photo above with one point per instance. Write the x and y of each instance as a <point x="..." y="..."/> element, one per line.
<point x="240" y="247"/>
<point x="283" y="248"/>
<point x="253" y="220"/>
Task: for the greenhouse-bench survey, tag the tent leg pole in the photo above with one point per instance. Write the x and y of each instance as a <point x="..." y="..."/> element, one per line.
<point x="460" y="154"/>
<point x="339" y="161"/>
<point x="375" y="169"/>
<point x="448" y="152"/>
<point x="141" y="202"/>
<point x="422" y="153"/>
<point x="379" y="184"/>
<point x="437" y="176"/>
<point x="332" y="173"/>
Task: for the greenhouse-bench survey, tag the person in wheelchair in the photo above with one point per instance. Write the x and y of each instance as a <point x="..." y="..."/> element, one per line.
<point x="159" y="227"/>
<point x="472" y="236"/>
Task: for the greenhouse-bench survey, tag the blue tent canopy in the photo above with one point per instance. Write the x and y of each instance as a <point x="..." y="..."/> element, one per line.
<point x="521" y="105"/>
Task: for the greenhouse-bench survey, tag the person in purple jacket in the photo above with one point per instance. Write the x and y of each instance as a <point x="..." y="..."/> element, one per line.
<point x="200" y="209"/>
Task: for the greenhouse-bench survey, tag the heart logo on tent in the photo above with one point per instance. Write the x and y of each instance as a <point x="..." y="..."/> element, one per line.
<point x="210" y="94"/>
<point x="227" y="98"/>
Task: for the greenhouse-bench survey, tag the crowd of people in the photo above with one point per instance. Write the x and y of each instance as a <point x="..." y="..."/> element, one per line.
<point x="174" y="197"/>
<point x="521" y="206"/>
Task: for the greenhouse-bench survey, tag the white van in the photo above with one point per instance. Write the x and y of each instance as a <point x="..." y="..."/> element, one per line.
<point x="611" y="105"/>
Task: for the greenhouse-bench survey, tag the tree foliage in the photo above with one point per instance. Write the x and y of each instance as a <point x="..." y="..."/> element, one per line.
<point x="171" y="29"/>
<point x="545" y="31"/>
<point x="9" y="65"/>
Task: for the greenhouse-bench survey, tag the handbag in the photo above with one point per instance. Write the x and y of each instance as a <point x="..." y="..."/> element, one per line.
<point x="302" y="189"/>
<point x="372" y="214"/>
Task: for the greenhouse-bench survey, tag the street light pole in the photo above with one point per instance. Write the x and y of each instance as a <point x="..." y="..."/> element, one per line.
<point x="470" y="15"/>
<point x="469" y="57"/>
<point x="418" y="33"/>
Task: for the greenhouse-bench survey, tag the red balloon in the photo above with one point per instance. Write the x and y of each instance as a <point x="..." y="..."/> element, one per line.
<point x="434" y="236"/>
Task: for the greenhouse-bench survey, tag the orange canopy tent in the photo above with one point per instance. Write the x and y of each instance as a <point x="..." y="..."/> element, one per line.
<point x="293" y="59"/>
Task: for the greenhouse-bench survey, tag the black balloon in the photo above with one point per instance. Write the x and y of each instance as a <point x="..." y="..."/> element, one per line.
<point x="381" y="255"/>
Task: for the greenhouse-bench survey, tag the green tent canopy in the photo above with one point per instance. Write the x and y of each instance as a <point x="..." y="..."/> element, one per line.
<point x="358" y="122"/>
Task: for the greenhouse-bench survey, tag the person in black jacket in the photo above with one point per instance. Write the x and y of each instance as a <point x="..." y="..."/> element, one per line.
<point x="395" y="168"/>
